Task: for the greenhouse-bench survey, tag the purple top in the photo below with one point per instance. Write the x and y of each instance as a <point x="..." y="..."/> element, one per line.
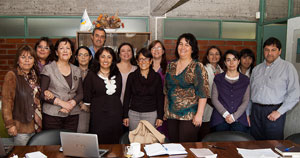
<point x="162" y="76"/>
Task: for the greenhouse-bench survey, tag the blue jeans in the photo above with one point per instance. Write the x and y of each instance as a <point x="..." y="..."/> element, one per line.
<point x="235" y="126"/>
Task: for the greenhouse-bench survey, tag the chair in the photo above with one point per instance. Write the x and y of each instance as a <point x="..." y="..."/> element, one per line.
<point x="225" y="136"/>
<point x="47" y="137"/>
<point x="124" y="138"/>
<point x="294" y="138"/>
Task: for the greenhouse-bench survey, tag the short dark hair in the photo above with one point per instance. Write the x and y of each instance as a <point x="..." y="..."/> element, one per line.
<point x="30" y="50"/>
<point x="163" y="62"/>
<point x="96" y="64"/>
<point x="272" y="41"/>
<point x="248" y="53"/>
<point x="76" y="54"/>
<point x="189" y="38"/>
<point x="146" y="53"/>
<point x="232" y="52"/>
<point x="205" y="60"/>
<point x="100" y="29"/>
<point x="66" y="40"/>
<point x="51" y="56"/>
<point x="132" y="60"/>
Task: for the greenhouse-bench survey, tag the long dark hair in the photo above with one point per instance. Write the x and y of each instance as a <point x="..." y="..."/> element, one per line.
<point x="132" y="60"/>
<point x="163" y="62"/>
<point x="247" y="53"/>
<point x="205" y="60"/>
<point x="191" y="39"/>
<point x="96" y="64"/>
<point x="51" y="55"/>
<point x="76" y="55"/>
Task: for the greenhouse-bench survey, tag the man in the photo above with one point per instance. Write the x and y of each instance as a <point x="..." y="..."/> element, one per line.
<point x="98" y="38"/>
<point x="274" y="91"/>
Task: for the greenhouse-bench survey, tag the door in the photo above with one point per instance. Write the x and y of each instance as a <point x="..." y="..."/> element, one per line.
<point x="292" y="124"/>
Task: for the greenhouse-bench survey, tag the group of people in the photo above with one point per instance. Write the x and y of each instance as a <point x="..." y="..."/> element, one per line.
<point x="100" y="91"/>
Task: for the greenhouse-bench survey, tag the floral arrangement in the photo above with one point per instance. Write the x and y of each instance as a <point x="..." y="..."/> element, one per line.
<point x="106" y="22"/>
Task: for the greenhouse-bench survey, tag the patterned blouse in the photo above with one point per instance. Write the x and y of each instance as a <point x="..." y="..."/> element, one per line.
<point x="184" y="90"/>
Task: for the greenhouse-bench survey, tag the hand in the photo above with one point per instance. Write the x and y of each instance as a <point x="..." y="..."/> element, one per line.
<point x="64" y="111"/>
<point x="229" y="119"/>
<point x="72" y="102"/>
<point x="12" y="131"/>
<point x="158" y="122"/>
<point x="65" y="105"/>
<point x="84" y="107"/>
<point x="248" y="120"/>
<point x="197" y="120"/>
<point x="48" y="95"/>
<point x="274" y="116"/>
<point x="126" y="122"/>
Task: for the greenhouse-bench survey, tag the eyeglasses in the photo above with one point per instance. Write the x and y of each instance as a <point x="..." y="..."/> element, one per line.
<point x="144" y="59"/>
<point x="85" y="55"/>
<point x="156" y="48"/>
<point x="41" y="47"/>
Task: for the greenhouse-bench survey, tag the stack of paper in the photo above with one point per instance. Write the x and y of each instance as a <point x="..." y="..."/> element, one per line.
<point x="257" y="153"/>
<point x="165" y="149"/>
<point x="203" y="152"/>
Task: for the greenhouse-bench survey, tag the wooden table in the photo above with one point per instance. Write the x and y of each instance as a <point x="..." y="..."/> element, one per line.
<point x="116" y="150"/>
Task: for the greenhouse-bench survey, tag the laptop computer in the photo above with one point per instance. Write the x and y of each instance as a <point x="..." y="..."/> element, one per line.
<point x="5" y="149"/>
<point x="81" y="145"/>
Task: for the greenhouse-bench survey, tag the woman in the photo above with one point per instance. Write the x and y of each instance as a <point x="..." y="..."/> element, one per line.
<point x="160" y="63"/>
<point x="230" y="97"/>
<point x="247" y="62"/>
<point x="213" y="64"/>
<point x="63" y="82"/>
<point x="143" y="93"/>
<point x="126" y="64"/>
<point x="21" y="109"/>
<point x="45" y="52"/>
<point x="186" y="90"/>
<point x="159" y="58"/>
<point x="83" y="57"/>
<point x="102" y="91"/>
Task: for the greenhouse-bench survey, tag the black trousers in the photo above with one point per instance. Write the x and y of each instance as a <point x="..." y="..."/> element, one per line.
<point x="261" y="127"/>
<point x="54" y="122"/>
<point x="182" y="131"/>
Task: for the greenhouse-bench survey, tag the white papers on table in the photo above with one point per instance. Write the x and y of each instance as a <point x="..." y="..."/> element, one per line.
<point x="36" y="154"/>
<point x="203" y="152"/>
<point x="164" y="149"/>
<point x="257" y="153"/>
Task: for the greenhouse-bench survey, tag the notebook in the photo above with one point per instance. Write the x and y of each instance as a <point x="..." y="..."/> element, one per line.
<point x="288" y="150"/>
<point x="4" y="150"/>
<point x="81" y="145"/>
<point x="157" y="149"/>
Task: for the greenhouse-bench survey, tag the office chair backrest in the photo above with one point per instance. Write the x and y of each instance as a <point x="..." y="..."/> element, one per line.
<point x="47" y="137"/>
<point x="225" y="136"/>
<point x="294" y="138"/>
<point x="124" y="138"/>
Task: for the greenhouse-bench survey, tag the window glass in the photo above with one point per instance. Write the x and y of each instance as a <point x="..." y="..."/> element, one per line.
<point x="12" y="27"/>
<point x="238" y="30"/>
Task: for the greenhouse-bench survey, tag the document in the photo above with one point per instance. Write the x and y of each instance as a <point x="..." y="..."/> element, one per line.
<point x="203" y="152"/>
<point x="164" y="149"/>
<point x="257" y="153"/>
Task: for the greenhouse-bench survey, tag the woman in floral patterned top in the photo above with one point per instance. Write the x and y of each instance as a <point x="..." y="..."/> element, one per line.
<point x="186" y="89"/>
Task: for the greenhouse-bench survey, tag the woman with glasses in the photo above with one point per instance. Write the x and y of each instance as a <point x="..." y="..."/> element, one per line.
<point x="126" y="64"/>
<point x="247" y="61"/>
<point x="186" y="90"/>
<point x="45" y="52"/>
<point x="230" y="97"/>
<point x="83" y="57"/>
<point x="143" y="95"/>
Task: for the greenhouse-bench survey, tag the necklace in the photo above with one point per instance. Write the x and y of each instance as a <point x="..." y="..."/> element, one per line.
<point x="104" y="74"/>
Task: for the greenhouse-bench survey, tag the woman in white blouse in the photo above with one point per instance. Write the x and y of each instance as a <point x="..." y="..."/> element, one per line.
<point x="213" y="64"/>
